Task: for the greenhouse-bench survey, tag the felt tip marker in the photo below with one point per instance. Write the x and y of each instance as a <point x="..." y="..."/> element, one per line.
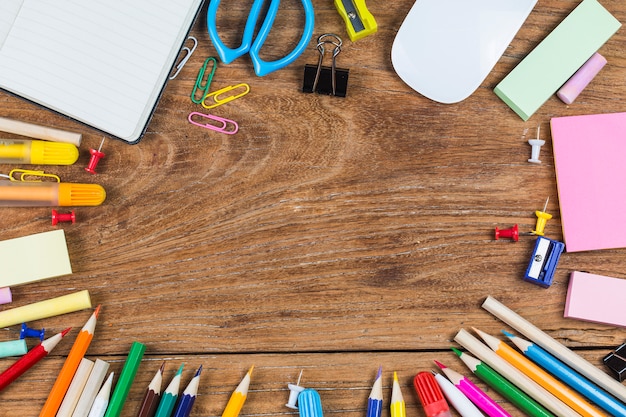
<point x="37" y="152"/>
<point x="50" y="194"/>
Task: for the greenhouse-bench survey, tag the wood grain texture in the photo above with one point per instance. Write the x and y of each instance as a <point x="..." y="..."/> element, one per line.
<point x="329" y="234"/>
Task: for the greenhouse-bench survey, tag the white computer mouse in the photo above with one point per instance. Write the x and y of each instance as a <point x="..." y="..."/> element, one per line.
<point x="445" y="49"/>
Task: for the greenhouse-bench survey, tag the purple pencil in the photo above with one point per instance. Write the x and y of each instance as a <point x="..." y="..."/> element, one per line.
<point x="475" y="394"/>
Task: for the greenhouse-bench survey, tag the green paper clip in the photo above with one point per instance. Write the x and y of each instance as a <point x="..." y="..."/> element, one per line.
<point x="199" y="85"/>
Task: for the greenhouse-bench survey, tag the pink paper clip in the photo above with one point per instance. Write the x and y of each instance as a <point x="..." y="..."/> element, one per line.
<point x="230" y="127"/>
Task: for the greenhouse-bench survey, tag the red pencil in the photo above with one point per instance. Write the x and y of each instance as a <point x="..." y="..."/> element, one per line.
<point x="30" y="358"/>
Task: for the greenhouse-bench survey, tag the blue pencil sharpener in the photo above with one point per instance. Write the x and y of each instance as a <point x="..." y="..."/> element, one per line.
<point x="543" y="261"/>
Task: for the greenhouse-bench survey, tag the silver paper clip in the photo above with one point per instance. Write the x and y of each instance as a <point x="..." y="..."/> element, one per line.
<point x="229" y="127"/>
<point x="187" y="54"/>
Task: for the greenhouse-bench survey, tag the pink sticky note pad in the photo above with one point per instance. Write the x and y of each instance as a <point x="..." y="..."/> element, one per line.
<point x="596" y="298"/>
<point x="590" y="170"/>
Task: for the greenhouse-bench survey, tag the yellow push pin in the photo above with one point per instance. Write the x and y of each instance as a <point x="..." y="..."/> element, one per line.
<point x="542" y="219"/>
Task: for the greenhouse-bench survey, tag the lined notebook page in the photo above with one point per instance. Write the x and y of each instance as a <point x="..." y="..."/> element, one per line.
<point x="101" y="62"/>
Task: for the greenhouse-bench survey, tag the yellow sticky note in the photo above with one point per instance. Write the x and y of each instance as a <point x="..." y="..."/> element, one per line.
<point x="33" y="258"/>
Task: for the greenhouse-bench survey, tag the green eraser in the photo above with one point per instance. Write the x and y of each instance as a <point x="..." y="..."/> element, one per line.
<point x="557" y="58"/>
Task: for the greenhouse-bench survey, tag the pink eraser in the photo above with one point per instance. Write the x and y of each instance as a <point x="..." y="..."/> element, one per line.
<point x="577" y="83"/>
<point x="596" y="298"/>
<point x="5" y="295"/>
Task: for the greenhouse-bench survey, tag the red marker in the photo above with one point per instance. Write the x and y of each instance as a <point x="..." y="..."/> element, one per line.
<point x="29" y="359"/>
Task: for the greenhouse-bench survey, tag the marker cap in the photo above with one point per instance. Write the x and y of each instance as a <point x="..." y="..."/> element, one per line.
<point x="74" y="194"/>
<point x="52" y="153"/>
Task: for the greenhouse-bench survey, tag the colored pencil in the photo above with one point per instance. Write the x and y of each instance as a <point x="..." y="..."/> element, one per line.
<point x="566" y="374"/>
<point x="555" y="348"/>
<point x="397" y="406"/>
<point x="534" y="372"/>
<point x="501" y="385"/>
<point x="170" y="395"/>
<point x="375" y="400"/>
<point x="127" y="376"/>
<point x="152" y="396"/>
<point x="76" y="388"/>
<point x="33" y="356"/>
<point x="238" y="397"/>
<point x="508" y="371"/>
<point x="475" y="394"/>
<point x="459" y="401"/>
<point x="96" y="378"/>
<point x="79" y="348"/>
<point x="101" y="401"/>
<point x="185" y="404"/>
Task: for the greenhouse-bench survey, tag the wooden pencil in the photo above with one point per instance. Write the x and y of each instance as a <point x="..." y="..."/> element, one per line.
<point x="39" y="132"/>
<point x="93" y="385"/>
<point x="152" y="396"/>
<point x="238" y="397"/>
<point x="101" y="402"/>
<point x="185" y="403"/>
<point x="76" y="388"/>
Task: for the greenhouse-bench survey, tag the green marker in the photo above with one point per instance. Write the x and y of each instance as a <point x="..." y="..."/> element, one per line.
<point x="503" y="386"/>
<point x="170" y="395"/>
<point x="127" y="376"/>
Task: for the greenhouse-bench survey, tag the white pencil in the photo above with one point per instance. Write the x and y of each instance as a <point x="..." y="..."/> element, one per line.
<point x="459" y="401"/>
<point x="101" y="402"/>
<point x="96" y="377"/>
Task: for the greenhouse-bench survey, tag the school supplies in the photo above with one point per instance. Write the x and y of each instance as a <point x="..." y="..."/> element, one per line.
<point x="616" y="362"/>
<point x="29" y="359"/>
<point x="101" y="402"/>
<point x="445" y="50"/>
<point x="185" y="404"/>
<point x="227" y="126"/>
<point x="26" y="331"/>
<point x="36" y="131"/>
<point x="430" y="395"/>
<point x="475" y="394"/>
<point x="577" y="83"/>
<point x="252" y="45"/>
<point x="53" y="258"/>
<point x="359" y="21"/>
<point x="37" y="152"/>
<point x="186" y="54"/>
<point x="541" y="377"/>
<point x="397" y="405"/>
<point x="569" y="376"/>
<point x="48" y="308"/>
<point x="375" y="399"/>
<point x="152" y="396"/>
<point x="543" y="261"/>
<point x="323" y="79"/>
<point x="542" y="219"/>
<point x="5" y="294"/>
<point x="94" y="159"/>
<point x="219" y="97"/>
<point x="589" y="169"/>
<point x="74" y="357"/>
<point x="127" y="376"/>
<point x="170" y="395"/>
<point x="535" y="145"/>
<point x="238" y="397"/>
<point x="13" y="348"/>
<point x="79" y="380"/>
<point x="557" y="58"/>
<point x="596" y="298"/>
<point x="203" y="81"/>
<point x="64" y="56"/>
<point x="310" y="404"/>
<point x="92" y="386"/>
<point x="294" y="391"/>
<point x="57" y="217"/>
<point x="523" y="326"/>
<point x="50" y="194"/>
<point x="459" y="401"/>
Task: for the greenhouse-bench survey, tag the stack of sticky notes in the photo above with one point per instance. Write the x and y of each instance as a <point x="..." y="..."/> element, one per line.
<point x="596" y="298"/>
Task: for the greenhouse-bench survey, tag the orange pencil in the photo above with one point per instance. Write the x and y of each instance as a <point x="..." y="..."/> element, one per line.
<point x="79" y="348"/>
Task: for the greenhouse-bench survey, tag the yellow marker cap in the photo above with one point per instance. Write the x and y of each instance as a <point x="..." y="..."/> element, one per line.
<point x="52" y="153"/>
<point x="73" y="194"/>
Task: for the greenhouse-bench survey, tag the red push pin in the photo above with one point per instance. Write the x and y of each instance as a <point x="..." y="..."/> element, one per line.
<point x="96" y="155"/>
<point x="63" y="217"/>
<point x="512" y="233"/>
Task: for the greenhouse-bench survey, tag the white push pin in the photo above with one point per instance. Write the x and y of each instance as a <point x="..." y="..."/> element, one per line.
<point x="294" y="391"/>
<point x="536" y="147"/>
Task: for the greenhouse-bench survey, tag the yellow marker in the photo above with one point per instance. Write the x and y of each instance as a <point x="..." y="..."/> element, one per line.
<point x="398" y="408"/>
<point x="37" y="152"/>
<point x="238" y="397"/>
<point x="542" y="219"/>
<point x="359" y="21"/>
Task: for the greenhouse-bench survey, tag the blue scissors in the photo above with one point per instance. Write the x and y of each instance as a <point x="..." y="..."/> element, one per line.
<point x="253" y="46"/>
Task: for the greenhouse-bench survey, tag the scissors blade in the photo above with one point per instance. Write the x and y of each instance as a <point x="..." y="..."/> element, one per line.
<point x="353" y="15"/>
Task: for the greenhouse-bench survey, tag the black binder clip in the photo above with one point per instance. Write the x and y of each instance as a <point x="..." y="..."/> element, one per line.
<point x="616" y="361"/>
<point x="322" y="79"/>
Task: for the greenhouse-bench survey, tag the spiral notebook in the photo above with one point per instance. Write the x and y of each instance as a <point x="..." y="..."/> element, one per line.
<point x="103" y="63"/>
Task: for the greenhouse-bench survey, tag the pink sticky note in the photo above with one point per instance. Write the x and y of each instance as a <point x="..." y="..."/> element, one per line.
<point x="590" y="170"/>
<point x="596" y="298"/>
<point x="5" y="295"/>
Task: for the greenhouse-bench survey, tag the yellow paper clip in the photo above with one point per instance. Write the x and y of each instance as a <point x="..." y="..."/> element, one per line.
<point x="187" y="51"/>
<point x="201" y="84"/>
<point x="217" y="101"/>
<point x="359" y="21"/>
<point x="24" y="173"/>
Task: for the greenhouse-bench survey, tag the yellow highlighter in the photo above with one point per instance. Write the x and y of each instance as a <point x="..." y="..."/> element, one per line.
<point x="359" y="21"/>
<point x="238" y="397"/>
<point x="37" y="152"/>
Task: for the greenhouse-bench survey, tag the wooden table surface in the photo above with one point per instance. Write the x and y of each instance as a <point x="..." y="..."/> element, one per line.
<point x="330" y="235"/>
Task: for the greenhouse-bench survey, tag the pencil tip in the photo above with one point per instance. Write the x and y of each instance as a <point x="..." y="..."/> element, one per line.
<point x="380" y="372"/>
<point x="440" y="365"/>
<point x="250" y="370"/>
<point x="97" y="312"/>
<point x="180" y="370"/>
<point x="162" y="367"/>
<point x="458" y="352"/>
<point x="199" y="371"/>
<point x="507" y="334"/>
<point x="66" y="331"/>
<point x="395" y="376"/>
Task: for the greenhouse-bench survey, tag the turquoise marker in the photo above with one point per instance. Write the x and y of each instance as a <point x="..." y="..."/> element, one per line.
<point x="170" y="395"/>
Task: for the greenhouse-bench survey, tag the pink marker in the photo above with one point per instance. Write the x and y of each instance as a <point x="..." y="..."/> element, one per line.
<point x="475" y="394"/>
<point x="577" y="83"/>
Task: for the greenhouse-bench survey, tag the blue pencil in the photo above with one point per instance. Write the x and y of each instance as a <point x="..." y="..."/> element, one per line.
<point x="375" y="400"/>
<point x="566" y="374"/>
<point x="183" y="409"/>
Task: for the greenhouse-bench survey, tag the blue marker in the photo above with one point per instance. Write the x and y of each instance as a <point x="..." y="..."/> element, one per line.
<point x="310" y="404"/>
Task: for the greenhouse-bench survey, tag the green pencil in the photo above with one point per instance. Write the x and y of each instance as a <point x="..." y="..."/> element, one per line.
<point x="127" y="376"/>
<point x="503" y="386"/>
<point x="170" y="395"/>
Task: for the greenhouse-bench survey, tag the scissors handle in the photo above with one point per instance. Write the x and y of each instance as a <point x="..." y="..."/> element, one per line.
<point x="253" y="46"/>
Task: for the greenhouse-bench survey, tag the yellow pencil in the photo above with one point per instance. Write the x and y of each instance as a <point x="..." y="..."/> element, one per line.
<point x="541" y="377"/>
<point x="238" y="397"/>
<point x="398" y="408"/>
